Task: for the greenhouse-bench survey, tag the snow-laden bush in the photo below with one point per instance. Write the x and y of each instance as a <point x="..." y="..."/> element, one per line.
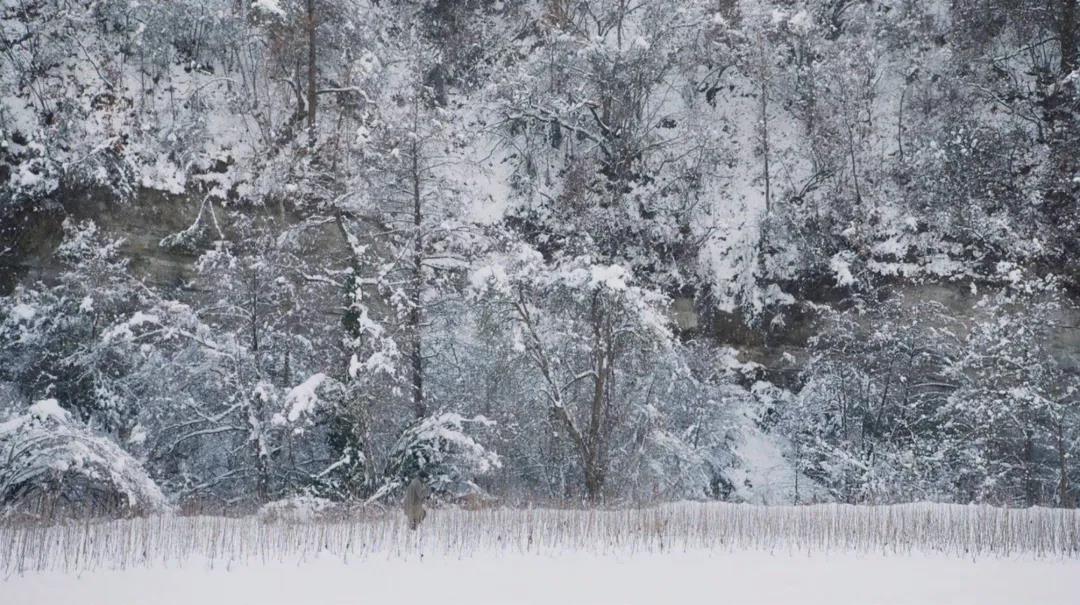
<point x="50" y="464"/>
<point x="438" y="450"/>
<point x="299" y="509"/>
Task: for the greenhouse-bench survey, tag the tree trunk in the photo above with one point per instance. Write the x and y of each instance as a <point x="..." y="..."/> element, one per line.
<point x="1064" y="495"/>
<point x="262" y="454"/>
<point x="415" y="313"/>
<point x="254" y="313"/>
<point x="603" y="365"/>
<point x="311" y="92"/>
<point x="1067" y="36"/>
<point x="765" y="138"/>
<point x="797" y="469"/>
<point x="594" y="481"/>
<point x="1029" y="477"/>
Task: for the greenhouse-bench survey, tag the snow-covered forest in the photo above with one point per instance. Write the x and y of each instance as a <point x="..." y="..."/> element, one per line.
<point x="262" y="254"/>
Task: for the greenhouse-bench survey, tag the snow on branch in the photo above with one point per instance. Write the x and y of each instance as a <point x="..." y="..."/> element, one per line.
<point x="49" y="460"/>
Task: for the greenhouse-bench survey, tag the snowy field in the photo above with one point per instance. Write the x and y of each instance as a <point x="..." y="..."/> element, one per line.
<point x="723" y="553"/>
<point x="654" y="578"/>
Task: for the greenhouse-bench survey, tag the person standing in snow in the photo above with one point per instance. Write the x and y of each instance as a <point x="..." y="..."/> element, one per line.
<point x="415" y="494"/>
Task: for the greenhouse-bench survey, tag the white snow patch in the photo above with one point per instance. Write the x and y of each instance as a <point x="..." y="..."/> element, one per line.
<point x="840" y="264"/>
<point x="298" y="509"/>
<point x="746" y="578"/>
<point x="303" y="398"/>
<point x="48" y="409"/>
<point x="272" y="7"/>
<point x="23" y="312"/>
<point x="138" y="435"/>
<point x="612" y="277"/>
<point x="491" y="276"/>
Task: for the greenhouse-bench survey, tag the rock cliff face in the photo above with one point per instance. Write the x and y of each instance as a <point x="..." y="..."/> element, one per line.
<point x="782" y="347"/>
<point x="146" y="224"/>
<point x="142" y="223"/>
<point x="779" y="345"/>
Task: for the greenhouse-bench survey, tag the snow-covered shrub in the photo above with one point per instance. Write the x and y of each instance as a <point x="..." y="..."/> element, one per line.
<point x="1009" y="435"/>
<point x="438" y="449"/>
<point x="51" y="334"/>
<point x="865" y="424"/>
<point x="904" y="401"/>
<point x="49" y="463"/>
<point x="299" y="509"/>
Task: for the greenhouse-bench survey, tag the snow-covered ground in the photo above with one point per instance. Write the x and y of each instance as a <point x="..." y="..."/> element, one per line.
<point x="657" y="579"/>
